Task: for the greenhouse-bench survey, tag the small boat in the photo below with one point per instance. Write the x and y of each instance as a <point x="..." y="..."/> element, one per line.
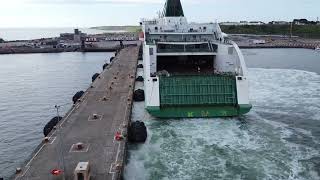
<point x="317" y="48"/>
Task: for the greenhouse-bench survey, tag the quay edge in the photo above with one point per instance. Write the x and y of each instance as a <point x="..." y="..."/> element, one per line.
<point x="105" y="155"/>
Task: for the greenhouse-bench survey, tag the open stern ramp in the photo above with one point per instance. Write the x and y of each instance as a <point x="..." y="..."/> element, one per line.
<point x="197" y="96"/>
<point x="197" y="90"/>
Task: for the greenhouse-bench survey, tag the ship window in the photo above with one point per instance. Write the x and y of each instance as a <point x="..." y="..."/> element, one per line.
<point x="230" y="50"/>
<point x="156" y="28"/>
<point x="151" y="51"/>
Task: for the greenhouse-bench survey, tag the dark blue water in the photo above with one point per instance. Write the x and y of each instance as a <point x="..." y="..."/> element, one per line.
<point x="278" y="139"/>
<point x="30" y="86"/>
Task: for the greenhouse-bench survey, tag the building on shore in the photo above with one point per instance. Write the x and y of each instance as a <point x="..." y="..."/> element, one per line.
<point x="76" y="36"/>
<point x="230" y="23"/>
<point x="259" y="23"/>
<point x="256" y="23"/>
<point x="304" y="22"/>
<point x="257" y="41"/>
<point x="242" y="23"/>
<point x="279" y="23"/>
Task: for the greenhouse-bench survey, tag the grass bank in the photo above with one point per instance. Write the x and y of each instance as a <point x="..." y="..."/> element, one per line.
<point x="307" y="31"/>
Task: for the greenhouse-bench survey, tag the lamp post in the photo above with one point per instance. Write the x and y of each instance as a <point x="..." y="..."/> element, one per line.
<point x="60" y="142"/>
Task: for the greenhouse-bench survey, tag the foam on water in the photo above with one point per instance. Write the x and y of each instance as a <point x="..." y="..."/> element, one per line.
<point x="268" y="143"/>
<point x="286" y="91"/>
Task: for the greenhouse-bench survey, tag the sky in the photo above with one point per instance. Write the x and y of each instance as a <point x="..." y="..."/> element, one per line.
<point x="89" y="13"/>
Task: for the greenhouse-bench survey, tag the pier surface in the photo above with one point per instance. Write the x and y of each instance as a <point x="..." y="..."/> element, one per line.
<point x="110" y="99"/>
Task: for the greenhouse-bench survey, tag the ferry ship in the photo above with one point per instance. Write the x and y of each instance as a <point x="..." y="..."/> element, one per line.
<point x="191" y="70"/>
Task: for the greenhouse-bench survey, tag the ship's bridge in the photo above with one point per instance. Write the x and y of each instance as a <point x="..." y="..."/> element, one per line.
<point x="159" y="33"/>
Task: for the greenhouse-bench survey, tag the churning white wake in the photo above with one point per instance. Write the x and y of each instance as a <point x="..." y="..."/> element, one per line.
<point x="261" y="145"/>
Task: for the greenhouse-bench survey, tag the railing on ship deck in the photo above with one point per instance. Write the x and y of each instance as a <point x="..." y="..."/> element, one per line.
<point x="168" y="48"/>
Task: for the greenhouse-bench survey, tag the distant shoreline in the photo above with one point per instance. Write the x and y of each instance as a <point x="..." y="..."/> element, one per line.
<point x="244" y="41"/>
<point x="302" y="31"/>
<point x="275" y="47"/>
<point x="118" y="28"/>
<point x="47" y="51"/>
<point x="54" y="50"/>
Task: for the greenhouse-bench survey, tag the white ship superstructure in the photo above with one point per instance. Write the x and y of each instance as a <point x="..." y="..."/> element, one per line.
<point x="192" y="69"/>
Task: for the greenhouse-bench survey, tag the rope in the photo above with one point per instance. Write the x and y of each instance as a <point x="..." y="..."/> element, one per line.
<point x="65" y="104"/>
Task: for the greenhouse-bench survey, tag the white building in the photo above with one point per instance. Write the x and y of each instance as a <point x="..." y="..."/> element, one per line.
<point x="229" y="23"/>
<point x="279" y="23"/>
<point x="256" y="23"/>
<point x="243" y="23"/>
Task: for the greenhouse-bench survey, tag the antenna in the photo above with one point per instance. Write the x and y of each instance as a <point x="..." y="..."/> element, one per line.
<point x="60" y="143"/>
<point x="159" y="14"/>
<point x="291" y="24"/>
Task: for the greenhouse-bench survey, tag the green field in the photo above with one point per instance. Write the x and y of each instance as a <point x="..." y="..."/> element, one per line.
<point x="307" y="31"/>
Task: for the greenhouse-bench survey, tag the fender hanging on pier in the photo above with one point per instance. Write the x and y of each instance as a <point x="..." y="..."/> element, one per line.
<point x="140" y="79"/>
<point x="138" y="95"/>
<point x="105" y="66"/>
<point x="50" y="125"/>
<point x="137" y="132"/>
<point x="95" y="76"/>
<point x="77" y="96"/>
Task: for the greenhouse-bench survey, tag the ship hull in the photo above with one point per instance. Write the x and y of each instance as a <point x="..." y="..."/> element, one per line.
<point x="199" y="112"/>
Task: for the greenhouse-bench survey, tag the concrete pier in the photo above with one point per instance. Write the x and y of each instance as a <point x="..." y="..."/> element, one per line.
<point x="91" y="124"/>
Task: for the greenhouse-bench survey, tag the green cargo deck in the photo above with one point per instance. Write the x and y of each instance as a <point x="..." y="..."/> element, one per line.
<point x="197" y="90"/>
<point x="197" y="96"/>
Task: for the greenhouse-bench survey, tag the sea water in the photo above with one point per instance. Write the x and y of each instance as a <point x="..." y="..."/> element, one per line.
<point x="278" y="139"/>
<point x="30" y="86"/>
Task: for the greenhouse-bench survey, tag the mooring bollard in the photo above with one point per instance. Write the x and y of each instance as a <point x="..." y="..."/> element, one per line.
<point x="18" y="170"/>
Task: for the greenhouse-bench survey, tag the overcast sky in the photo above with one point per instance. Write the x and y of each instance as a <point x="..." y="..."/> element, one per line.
<point x="88" y="13"/>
